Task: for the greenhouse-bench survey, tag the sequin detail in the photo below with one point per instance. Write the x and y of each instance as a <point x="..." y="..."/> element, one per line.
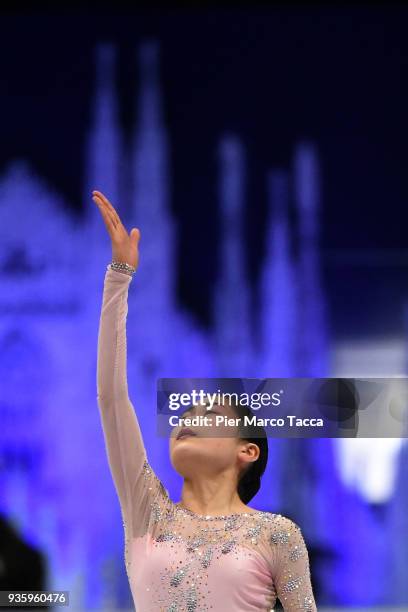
<point x="308" y="604"/>
<point x="281" y="537"/>
<point x="191" y="599"/>
<point x="127" y="561"/>
<point x="156" y="512"/>
<point x="212" y="541"/>
<point x="296" y="553"/>
<point x="231" y="522"/>
<point x="166" y="537"/>
<point x="194" y="544"/>
<point x="178" y="576"/>
<point x="215" y="537"/>
<point x="254" y="533"/>
<point x="230" y="518"/>
<point x="292" y="584"/>
<point x="206" y="559"/>
<point x="146" y="469"/>
<point x="228" y="546"/>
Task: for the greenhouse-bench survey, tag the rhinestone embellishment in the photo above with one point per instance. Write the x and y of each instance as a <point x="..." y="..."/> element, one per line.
<point x="228" y="547"/>
<point x="177" y="578"/>
<point x="292" y="584"/>
<point x="191" y="600"/>
<point x="280" y="537"/>
<point x="295" y="553"/>
<point x="206" y="559"/>
<point x="194" y="544"/>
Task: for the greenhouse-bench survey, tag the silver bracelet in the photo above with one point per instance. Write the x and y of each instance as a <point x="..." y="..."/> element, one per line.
<point x="120" y="266"/>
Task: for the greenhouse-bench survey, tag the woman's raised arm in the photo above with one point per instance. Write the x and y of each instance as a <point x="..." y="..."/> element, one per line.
<point x="138" y="488"/>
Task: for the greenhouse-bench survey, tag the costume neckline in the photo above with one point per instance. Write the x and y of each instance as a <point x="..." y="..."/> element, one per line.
<point x="210" y="517"/>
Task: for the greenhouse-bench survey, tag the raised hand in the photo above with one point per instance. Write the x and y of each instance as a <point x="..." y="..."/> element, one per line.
<point x="125" y="247"/>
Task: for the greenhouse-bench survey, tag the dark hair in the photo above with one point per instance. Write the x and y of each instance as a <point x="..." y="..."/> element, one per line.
<point x="249" y="481"/>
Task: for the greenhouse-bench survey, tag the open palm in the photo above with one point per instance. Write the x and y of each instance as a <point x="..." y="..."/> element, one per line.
<point x="125" y="247"/>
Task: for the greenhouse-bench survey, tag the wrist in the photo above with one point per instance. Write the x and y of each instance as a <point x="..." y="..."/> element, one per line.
<point x="121" y="266"/>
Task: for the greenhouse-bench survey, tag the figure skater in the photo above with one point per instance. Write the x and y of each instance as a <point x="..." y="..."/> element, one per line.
<point x="209" y="552"/>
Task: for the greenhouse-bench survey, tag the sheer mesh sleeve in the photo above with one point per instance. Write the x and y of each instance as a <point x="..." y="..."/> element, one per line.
<point x="291" y="572"/>
<point x="141" y="494"/>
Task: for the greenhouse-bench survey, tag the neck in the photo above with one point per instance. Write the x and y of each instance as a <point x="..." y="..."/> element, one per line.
<point x="207" y="496"/>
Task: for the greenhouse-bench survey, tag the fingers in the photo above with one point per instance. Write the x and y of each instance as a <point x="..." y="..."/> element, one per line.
<point x="105" y="201"/>
<point x="106" y="215"/>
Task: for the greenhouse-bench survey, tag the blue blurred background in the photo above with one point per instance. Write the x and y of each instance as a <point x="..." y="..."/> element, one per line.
<point x="262" y="153"/>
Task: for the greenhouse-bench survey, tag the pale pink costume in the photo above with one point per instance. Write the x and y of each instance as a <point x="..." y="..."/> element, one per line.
<point x="177" y="560"/>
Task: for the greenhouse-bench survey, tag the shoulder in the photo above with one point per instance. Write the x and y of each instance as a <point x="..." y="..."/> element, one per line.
<point x="285" y="545"/>
<point x="284" y="522"/>
<point x="278" y="521"/>
<point x="283" y="530"/>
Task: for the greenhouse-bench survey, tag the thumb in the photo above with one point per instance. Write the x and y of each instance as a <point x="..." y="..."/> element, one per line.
<point x="135" y="236"/>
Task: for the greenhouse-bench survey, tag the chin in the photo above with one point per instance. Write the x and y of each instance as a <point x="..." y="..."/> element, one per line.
<point x="184" y="454"/>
